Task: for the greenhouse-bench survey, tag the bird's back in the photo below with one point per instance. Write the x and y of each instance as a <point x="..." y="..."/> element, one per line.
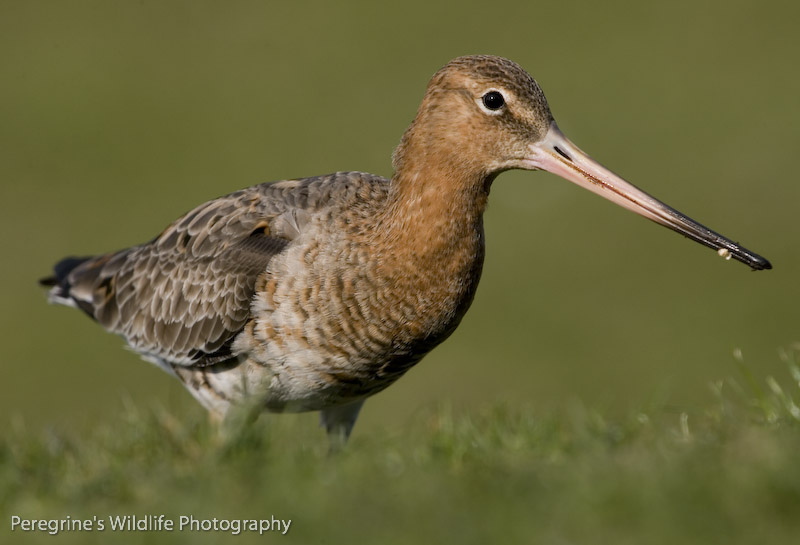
<point x="182" y="298"/>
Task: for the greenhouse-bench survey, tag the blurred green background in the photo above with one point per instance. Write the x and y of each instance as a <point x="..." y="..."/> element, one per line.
<point x="116" y="117"/>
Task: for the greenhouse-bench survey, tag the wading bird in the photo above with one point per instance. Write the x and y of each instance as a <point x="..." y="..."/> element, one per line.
<point x="314" y="294"/>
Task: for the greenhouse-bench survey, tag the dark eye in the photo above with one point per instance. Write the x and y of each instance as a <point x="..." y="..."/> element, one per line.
<point x="493" y="100"/>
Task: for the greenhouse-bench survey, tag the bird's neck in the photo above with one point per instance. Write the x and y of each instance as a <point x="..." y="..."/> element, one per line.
<point x="430" y="234"/>
<point x="437" y="196"/>
<point x="435" y="211"/>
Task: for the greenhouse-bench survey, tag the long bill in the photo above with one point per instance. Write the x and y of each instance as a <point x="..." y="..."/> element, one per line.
<point x="556" y="154"/>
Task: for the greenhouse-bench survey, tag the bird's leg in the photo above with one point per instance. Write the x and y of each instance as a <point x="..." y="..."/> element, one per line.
<point x="215" y="419"/>
<point x="236" y="423"/>
<point x="338" y="421"/>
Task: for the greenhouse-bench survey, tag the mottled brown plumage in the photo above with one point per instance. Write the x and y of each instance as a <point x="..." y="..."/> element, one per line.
<point x="314" y="294"/>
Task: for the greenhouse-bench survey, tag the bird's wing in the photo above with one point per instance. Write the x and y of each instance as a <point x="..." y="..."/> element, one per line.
<point x="182" y="297"/>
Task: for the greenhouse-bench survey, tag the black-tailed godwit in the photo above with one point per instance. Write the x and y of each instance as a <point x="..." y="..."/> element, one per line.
<point x="314" y="294"/>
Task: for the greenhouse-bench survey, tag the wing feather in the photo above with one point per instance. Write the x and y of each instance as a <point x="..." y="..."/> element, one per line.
<point x="186" y="293"/>
<point x="183" y="297"/>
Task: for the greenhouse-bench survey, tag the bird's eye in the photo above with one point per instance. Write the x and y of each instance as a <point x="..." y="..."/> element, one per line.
<point x="493" y="100"/>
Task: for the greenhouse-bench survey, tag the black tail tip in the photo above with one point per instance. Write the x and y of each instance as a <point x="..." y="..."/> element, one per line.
<point x="61" y="270"/>
<point x="48" y="281"/>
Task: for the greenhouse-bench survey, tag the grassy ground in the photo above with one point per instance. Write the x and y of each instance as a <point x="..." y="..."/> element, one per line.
<point x="499" y="475"/>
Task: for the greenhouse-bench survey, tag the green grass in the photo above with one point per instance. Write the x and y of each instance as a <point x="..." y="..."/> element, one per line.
<point x="502" y="474"/>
